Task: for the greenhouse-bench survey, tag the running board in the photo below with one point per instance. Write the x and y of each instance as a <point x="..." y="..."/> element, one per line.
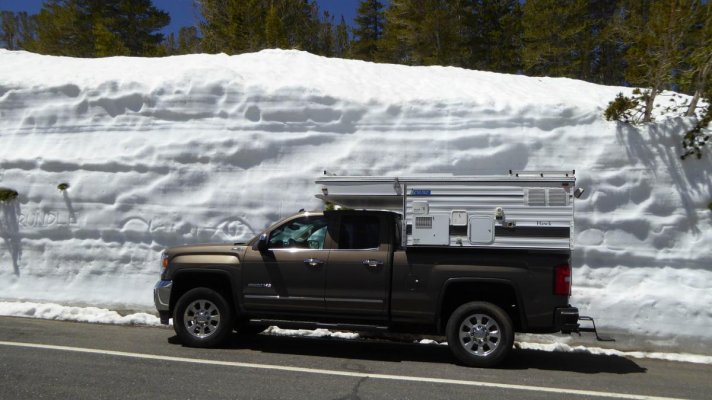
<point x="600" y="338"/>
<point x="315" y="325"/>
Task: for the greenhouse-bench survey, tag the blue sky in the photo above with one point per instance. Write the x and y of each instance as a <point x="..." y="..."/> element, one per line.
<point x="183" y="14"/>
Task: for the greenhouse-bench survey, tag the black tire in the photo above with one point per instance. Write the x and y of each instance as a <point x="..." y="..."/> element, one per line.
<point x="202" y="318"/>
<point x="479" y="334"/>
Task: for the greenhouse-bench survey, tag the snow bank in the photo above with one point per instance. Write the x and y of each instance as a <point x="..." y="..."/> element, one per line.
<point x="159" y="152"/>
<point x="562" y="347"/>
<point x="76" y="314"/>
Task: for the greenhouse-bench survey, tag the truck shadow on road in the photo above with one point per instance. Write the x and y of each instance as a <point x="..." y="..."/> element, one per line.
<point x="396" y="351"/>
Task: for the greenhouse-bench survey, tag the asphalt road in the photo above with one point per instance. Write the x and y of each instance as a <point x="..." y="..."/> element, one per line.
<point x="63" y="360"/>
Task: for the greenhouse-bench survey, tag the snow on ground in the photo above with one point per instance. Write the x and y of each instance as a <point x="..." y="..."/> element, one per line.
<point x="76" y="314"/>
<point x="166" y="151"/>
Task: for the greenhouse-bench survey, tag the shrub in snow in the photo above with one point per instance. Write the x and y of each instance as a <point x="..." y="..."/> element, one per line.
<point x="7" y="195"/>
<point x="625" y="109"/>
<point x="63" y="186"/>
<point x="696" y="138"/>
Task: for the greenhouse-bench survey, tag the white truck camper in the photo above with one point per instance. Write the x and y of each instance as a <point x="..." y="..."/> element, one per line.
<point x="521" y="210"/>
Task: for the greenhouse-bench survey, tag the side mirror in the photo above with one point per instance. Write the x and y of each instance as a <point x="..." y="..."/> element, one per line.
<point x="578" y="192"/>
<point x="263" y="244"/>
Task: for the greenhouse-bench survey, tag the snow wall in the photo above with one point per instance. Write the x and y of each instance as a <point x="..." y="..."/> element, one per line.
<point x="159" y="152"/>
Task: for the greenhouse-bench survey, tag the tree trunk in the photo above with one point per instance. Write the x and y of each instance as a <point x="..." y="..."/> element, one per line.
<point x="649" y="103"/>
<point x="693" y="103"/>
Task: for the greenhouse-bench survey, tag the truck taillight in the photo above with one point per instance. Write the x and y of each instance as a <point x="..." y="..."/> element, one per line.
<point x="562" y="280"/>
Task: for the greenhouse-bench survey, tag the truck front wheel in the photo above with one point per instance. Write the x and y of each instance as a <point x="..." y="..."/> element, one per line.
<point x="202" y="318"/>
<point x="479" y="334"/>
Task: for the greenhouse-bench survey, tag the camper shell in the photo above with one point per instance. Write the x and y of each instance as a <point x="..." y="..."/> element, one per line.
<point x="522" y="210"/>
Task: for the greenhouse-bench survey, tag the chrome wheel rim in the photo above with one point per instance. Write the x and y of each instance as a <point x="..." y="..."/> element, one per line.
<point x="480" y="335"/>
<point x="201" y="318"/>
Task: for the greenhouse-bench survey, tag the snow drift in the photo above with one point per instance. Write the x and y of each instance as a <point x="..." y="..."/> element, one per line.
<point x="159" y="152"/>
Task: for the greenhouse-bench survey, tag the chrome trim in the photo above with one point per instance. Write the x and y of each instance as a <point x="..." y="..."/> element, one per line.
<point x="369" y="249"/>
<point x="295" y="249"/>
<point x="162" y="295"/>
<point x="355" y="300"/>
<point x="273" y="297"/>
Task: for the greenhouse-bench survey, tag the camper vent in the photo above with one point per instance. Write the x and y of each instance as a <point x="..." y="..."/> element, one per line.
<point x="546" y="197"/>
<point x="557" y="197"/>
<point x="536" y="197"/>
<point x="423" y="222"/>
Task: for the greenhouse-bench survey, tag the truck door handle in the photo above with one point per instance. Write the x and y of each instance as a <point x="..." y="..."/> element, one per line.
<point x="313" y="262"/>
<point x="372" y="263"/>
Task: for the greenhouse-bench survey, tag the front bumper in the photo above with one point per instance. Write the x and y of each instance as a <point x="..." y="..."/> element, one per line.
<point x="162" y="298"/>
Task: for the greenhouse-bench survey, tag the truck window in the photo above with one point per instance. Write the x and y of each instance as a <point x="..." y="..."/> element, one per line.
<point x="300" y="233"/>
<point x="359" y="232"/>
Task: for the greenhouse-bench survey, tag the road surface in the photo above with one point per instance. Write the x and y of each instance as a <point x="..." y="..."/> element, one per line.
<point x="42" y="359"/>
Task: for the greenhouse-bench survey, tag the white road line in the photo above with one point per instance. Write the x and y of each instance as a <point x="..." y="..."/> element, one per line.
<point x="338" y="373"/>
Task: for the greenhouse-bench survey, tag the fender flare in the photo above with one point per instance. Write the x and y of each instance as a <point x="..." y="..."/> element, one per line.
<point x="499" y="281"/>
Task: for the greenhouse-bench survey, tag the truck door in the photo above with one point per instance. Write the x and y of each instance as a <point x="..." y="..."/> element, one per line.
<point x="357" y="278"/>
<point x="290" y="275"/>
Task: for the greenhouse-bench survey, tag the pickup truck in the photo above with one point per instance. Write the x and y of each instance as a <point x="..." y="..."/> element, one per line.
<point x="348" y="270"/>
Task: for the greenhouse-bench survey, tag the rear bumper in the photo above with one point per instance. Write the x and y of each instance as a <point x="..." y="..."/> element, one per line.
<point x="162" y="298"/>
<point x="566" y="319"/>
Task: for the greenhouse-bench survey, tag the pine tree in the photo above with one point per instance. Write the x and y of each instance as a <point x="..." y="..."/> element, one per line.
<point x="423" y="32"/>
<point x="606" y="62"/>
<point x="274" y="29"/>
<point x="369" y="29"/>
<point x="342" y="42"/>
<point x="395" y="46"/>
<point x="655" y="34"/>
<point x="27" y="29"/>
<point x="64" y="28"/>
<point x="553" y="34"/>
<point x="107" y="43"/>
<point x="238" y="26"/>
<point x="232" y="26"/>
<point x="8" y="30"/>
<point x="136" y="23"/>
<point x="698" y="56"/>
<point x="326" y="37"/>
<point x="90" y="28"/>
<point x="186" y="42"/>
<point x="493" y="35"/>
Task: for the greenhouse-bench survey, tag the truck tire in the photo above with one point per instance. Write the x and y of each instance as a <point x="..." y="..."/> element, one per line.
<point x="479" y="334"/>
<point x="202" y="318"/>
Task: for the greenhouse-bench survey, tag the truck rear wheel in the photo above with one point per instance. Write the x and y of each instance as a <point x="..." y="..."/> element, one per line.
<point x="202" y="318"/>
<point x="479" y="334"/>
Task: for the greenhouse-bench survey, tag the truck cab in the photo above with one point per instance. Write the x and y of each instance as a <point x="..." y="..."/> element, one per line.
<point x="333" y="263"/>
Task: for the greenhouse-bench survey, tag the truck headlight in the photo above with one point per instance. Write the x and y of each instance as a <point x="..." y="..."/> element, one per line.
<point x="164" y="262"/>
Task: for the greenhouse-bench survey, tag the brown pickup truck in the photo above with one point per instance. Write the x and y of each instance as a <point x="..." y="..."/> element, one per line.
<point x="349" y="270"/>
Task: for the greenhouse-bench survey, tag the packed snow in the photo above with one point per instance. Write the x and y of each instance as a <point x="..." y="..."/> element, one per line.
<point x="59" y="312"/>
<point x="166" y="151"/>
